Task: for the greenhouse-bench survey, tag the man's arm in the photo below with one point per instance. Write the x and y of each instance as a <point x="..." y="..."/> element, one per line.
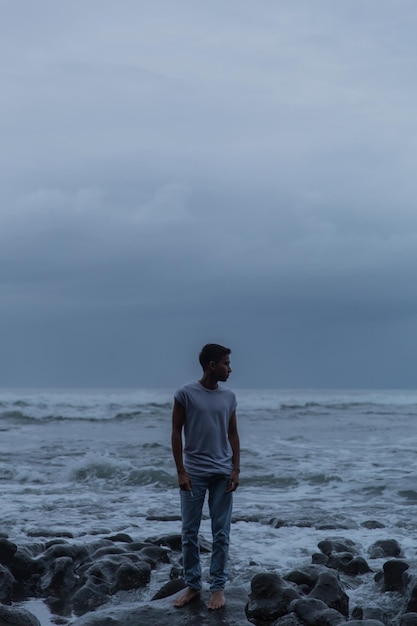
<point x="235" y="445"/>
<point x="178" y="421"/>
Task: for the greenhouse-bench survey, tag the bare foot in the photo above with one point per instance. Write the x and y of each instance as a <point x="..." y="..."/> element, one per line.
<point x="217" y="600"/>
<point x="186" y="597"/>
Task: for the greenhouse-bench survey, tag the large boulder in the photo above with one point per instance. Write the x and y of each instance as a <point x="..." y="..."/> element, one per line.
<point x="338" y="544"/>
<point x="7" y="582"/>
<point x="329" y="590"/>
<point x="394" y="574"/>
<point x="269" y="598"/>
<point x="313" y="612"/>
<point x="11" y="616"/>
<point x="385" y="548"/>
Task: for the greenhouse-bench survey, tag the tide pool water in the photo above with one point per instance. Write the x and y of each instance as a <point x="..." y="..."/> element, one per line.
<point x="314" y="464"/>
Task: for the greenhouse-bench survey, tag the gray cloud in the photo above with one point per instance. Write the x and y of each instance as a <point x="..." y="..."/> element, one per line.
<point x="174" y="174"/>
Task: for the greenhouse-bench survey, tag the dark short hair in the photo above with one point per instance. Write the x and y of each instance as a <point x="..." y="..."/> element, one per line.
<point x="212" y="352"/>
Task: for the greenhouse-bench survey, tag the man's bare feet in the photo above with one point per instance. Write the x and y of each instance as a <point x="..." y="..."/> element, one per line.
<point x="186" y="597"/>
<point x="217" y="600"/>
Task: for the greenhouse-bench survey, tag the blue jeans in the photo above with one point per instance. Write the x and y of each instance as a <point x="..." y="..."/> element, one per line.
<point x="220" y="506"/>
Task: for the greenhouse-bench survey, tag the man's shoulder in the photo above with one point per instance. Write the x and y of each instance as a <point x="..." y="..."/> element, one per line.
<point x="186" y="390"/>
<point x="188" y="387"/>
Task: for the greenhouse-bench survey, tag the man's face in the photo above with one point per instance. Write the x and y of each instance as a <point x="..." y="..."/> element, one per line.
<point x="222" y="368"/>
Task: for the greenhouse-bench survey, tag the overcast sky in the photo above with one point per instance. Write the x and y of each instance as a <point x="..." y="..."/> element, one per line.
<point x="181" y="172"/>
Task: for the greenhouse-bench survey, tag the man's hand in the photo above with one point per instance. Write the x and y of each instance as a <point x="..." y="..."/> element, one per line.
<point x="233" y="481"/>
<point x="184" y="481"/>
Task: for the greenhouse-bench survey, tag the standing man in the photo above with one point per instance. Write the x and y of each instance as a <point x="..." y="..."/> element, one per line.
<point x="208" y="461"/>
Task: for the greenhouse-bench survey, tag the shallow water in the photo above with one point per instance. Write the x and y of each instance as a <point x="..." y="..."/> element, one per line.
<point x="90" y="462"/>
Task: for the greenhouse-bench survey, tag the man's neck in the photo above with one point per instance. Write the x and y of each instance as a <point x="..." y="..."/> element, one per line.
<point x="208" y="382"/>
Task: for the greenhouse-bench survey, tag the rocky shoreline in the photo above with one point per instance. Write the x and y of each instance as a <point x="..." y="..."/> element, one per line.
<point x="79" y="582"/>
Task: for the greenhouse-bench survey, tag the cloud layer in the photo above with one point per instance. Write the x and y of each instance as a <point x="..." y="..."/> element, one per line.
<point x="177" y="173"/>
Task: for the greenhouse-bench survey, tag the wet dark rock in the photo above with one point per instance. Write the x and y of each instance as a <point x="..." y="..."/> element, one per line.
<point x="171" y="541"/>
<point x="318" y="558"/>
<point x="176" y="572"/>
<point x="61" y="579"/>
<point x="372" y="524"/>
<point x="357" y="566"/>
<point x="409" y="619"/>
<point x="385" y="548"/>
<point x="135" y="546"/>
<point x="394" y="574"/>
<point x="91" y="595"/>
<point x="367" y="613"/>
<point x="269" y="598"/>
<point x="7" y="551"/>
<point x="155" y="554"/>
<point x="108" y="551"/>
<point x="328" y="589"/>
<point x="411" y="593"/>
<point x="131" y="576"/>
<point x="170" y="588"/>
<point x="289" y="620"/>
<point x="314" y="612"/>
<point x="7" y="582"/>
<point x="347" y="563"/>
<point x="162" y="613"/>
<point x="338" y="544"/>
<point x="11" y="616"/>
<point x="305" y="577"/>
<point x="365" y="622"/>
<point x="27" y="570"/>
<point x="76" y="552"/>
<point x="122" y="537"/>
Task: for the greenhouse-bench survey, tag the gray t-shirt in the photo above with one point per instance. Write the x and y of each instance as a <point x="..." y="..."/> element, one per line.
<point x="207" y="414"/>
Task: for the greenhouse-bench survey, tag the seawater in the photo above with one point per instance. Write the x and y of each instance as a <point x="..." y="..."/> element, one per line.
<point x="315" y="464"/>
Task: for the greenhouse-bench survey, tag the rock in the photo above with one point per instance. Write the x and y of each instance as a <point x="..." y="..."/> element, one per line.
<point x="171" y="587"/>
<point x="365" y="622"/>
<point x="328" y="589"/>
<point x="314" y="612"/>
<point x="171" y="541"/>
<point x="411" y="594"/>
<point x="385" y="548"/>
<point x="11" y="616"/>
<point x="348" y="564"/>
<point x="375" y="613"/>
<point x="163" y="613"/>
<point x="393" y="574"/>
<point x="7" y="551"/>
<point x="357" y="566"/>
<point x="289" y="620"/>
<point x="338" y="544"/>
<point x="76" y="552"/>
<point x="131" y="576"/>
<point x="122" y="537"/>
<point x="27" y="571"/>
<point x="305" y="577"/>
<point x="92" y="594"/>
<point x="269" y="599"/>
<point x="409" y="619"/>
<point x="372" y="524"/>
<point x="7" y="581"/>
<point x="61" y="579"/>
<point x="155" y="554"/>
<point x="318" y="558"/>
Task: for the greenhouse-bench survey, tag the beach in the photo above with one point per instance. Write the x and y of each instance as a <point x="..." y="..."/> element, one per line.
<point x="83" y="465"/>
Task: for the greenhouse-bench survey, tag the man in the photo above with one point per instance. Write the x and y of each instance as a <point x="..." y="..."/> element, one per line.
<point x="209" y="461"/>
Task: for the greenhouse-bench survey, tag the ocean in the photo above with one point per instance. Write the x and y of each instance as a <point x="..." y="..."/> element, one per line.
<point x="314" y="464"/>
